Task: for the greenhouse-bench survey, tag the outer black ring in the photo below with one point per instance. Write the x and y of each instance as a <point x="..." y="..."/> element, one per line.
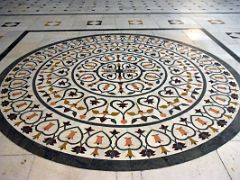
<point x="118" y="165"/>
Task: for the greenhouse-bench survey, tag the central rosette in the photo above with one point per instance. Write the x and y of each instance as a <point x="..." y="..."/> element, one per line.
<point x="119" y="75"/>
<point x="119" y="72"/>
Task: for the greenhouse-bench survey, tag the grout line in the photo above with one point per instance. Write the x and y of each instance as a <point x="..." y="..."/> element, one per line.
<point x="5" y="155"/>
<point x="224" y="165"/>
<point x="224" y="47"/>
<point x="119" y="13"/>
<point x="116" y="175"/>
<point x="141" y="176"/>
<point x="12" y="45"/>
<point x="31" y="167"/>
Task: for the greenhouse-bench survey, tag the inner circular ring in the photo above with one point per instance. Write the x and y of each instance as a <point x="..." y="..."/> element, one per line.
<point x="139" y="71"/>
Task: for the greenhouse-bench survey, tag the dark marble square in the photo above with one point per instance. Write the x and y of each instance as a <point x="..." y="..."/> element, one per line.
<point x="10" y="24"/>
<point x="94" y="23"/>
<point x="135" y="22"/>
<point x="234" y="35"/>
<point x="53" y="23"/>
<point x="216" y="21"/>
<point x="175" y="22"/>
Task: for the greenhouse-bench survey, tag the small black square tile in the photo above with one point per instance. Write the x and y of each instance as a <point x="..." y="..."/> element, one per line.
<point x="135" y="22"/>
<point x="216" y="21"/>
<point x="234" y="35"/>
<point x="175" y="22"/>
<point x="53" y="23"/>
<point x="10" y="24"/>
<point x="94" y="23"/>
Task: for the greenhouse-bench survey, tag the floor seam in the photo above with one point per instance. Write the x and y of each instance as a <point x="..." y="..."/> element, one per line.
<point x="224" y="165"/>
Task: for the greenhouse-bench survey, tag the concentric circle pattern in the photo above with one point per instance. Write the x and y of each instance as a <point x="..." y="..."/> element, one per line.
<point x="118" y="98"/>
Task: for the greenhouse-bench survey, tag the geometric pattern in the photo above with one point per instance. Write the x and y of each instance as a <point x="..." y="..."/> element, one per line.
<point x="217" y="21"/>
<point x="234" y="35"/>
<point x="175" y="22"/>
<point x="10" y="24"/>
<point x="120" y="99"/>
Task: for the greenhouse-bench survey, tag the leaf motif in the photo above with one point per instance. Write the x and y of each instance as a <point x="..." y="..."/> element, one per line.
<point x="134" y="120"/>
<point x="66" y="102"/>
<point x="114" y="121"/>
<point x="131" y="113"/>
<point x="163" y="106"/>
<point x="176" y="100"/>
<point x="149" y="110"/>
<point x="81" y="108"/>
<point x="154" y="117"/>
<point x="74" y="114"/>
<point x="115" y="113"/>
<point x="184" y="94"/>
<point x="95" y="111"/>
<point x="59" y="106"/>
<point x="91" y="118"/>
<point x="67" y="110"/>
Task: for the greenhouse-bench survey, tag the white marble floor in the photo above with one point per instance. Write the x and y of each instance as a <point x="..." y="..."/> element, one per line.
<point x="195" y="29"/>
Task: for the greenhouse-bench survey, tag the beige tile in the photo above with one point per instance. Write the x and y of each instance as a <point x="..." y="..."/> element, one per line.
<point x="15" y="167"/>
<point x="136" y="175"/>
<point x="9" y="148"/>
<point x="52" y="171"/>
<point x="230" y="155"/>
<point x="206" y="167"/>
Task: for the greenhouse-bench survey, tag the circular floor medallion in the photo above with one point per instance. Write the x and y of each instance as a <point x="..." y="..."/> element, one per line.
<point x="119" y="102"/>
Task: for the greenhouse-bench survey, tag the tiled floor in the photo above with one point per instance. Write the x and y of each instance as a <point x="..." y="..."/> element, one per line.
<point x="214" y="30"/>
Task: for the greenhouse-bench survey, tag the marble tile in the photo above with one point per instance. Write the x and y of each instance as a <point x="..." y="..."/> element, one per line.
<point x="15" y="167"/>
<point x="230" y="155"/>
<point x="10" y="148"/>
<point x="198" y="169"/>
<point x="54" y="170"/>
<point x="134" y="175"/>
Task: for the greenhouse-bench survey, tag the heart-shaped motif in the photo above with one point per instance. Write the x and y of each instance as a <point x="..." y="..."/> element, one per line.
<point x="128" y="140"/>
<point x="61" y="83"/>
<point x="48" y="127"/>
<point x="31" y="117"/>
<point x="134" y="87"/>
<point x="214" y="111"/>
<point x="178" y="81"/>
<point x="122" y="106"/>
<point x="69" y="61"/>
<point x="92" y="102"/>
<point x="155" y="139"/>
<point x="169" y="92"/>
<point x="106" y="87"/>
<point x="17" y="83"/>
<point x="201" y="122"/>
<point x="99" y="140"/>
<point x="150" y="101"/>
<point x="182" y="132"/>
<point x="72" y="93"/>
<point x="222" y="88"/>
<point x="221" y="99"/>
<point x="177" y="70"/>
<point x="61" y="72"/>
<point x="22" y="105"/>
<point x="17" y="94"/>
<point x="72" y="135"/>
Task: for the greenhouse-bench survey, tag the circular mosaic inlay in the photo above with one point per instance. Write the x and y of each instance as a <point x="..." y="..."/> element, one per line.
<point x="120" y="102"/>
